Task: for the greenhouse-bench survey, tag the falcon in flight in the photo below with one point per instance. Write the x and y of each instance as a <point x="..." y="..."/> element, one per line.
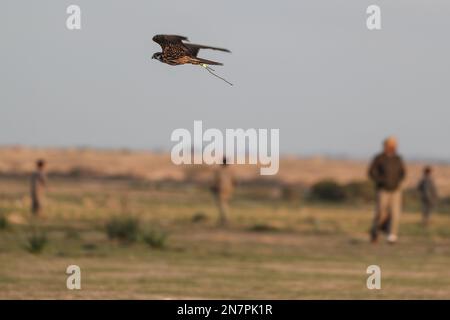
<point x="176" y="52"/>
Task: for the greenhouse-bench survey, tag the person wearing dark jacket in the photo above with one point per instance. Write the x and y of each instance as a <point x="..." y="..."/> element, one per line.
<point x="38" y="184"/>
<point x="387" y="171"/>
<point x="428" y="194"/>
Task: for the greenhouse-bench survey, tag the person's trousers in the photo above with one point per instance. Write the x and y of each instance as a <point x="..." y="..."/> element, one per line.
<point x="36" y="205"/>
<point x="387" y="212"/>
<point x="427" y="207"/>
<point x="222" y="203"/>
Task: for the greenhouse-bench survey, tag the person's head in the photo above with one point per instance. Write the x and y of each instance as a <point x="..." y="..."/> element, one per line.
<point x="390" y="145"/>
<point x="40" y="164"/>
<point x="224" y="161"/>
<point x="427" y="171"/>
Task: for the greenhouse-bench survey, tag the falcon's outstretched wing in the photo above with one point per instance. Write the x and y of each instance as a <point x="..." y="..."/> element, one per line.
<point x="165" y="39"/>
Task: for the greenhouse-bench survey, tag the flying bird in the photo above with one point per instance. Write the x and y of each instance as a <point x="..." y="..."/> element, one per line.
<point x="176" y="52"/>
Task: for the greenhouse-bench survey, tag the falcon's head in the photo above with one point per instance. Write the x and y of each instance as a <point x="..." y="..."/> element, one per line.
<point x="157" y="56"/>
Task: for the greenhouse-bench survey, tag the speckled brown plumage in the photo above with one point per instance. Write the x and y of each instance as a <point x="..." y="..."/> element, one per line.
<point x="176" y="52"/>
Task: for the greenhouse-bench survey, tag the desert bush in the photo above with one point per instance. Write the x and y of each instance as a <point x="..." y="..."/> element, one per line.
<point x="199" y="217"/>
<point x="72" y="233"/>
<point x="3" y="222"/>
<point x="262" y="227"/>
<point x="293" y="192"/>
<point x="444" y="205"/>
<point x="124" y="229"/>
<point x="411" y="199"/>
<point x="89" y="246"/>
<point x="359" y="191"/>
<point x="81" y="171"/>
<point x="36" y="242"/>
<point x="155" y="238"/>
<point x="260" y="193"/>
<point x="412" y="202"/>
<point x="328" y="190"/>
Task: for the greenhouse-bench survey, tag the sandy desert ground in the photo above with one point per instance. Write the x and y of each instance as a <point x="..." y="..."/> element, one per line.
<point x="271" y="249"/>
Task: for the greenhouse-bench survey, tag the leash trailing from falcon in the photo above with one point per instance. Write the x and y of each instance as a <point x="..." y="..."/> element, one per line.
<point x="176" y="52"/>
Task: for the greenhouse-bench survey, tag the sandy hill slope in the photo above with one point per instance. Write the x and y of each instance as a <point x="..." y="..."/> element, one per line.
<point x="158" y="166"/>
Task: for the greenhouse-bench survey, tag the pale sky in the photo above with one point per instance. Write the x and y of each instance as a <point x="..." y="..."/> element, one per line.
<point x="309" y="68"/>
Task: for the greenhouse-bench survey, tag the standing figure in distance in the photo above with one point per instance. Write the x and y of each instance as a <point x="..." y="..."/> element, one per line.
<point x="223" y="189"/>
<point x="428" y="194"/>
<point x="387" y="171"/>
<point x="38" y="184"/>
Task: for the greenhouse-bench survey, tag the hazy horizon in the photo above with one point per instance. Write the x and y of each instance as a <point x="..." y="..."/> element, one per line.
<point x="156" y="150"/>
<point x="308" y="68"/>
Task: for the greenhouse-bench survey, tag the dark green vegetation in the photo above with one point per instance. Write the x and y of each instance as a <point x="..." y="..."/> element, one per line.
<point x="124" y="229"/>
<point x="36" y="241"/>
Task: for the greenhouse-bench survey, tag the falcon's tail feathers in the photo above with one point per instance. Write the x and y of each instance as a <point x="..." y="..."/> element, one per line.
<point x="204" y="61"/>
<point x="200" y="46"/>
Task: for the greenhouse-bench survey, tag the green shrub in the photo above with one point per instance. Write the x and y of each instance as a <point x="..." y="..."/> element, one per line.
<point x="155" y="238"/>
<point x="124" y="229"/>
<point x="328" y="191"/>
<point x="36" y="242"/>
<point x="444" y="205"/>
<point x="411" y="199"/>
<point x="263" y="192"/>
<point x="199" y="217"/>
<point x="89" y="246"/>
<point x="293" y="193"/>
<point x="360" y="191"/>
<point x="72" y="234"/>
<point x="262" y="227"/>
<point x="3" y="222"/>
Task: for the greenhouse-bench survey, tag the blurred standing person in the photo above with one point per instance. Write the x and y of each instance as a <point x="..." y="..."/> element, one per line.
<point x="428" y="194"/>
<point x="387" y="171"/>
<point x="223" y="189"/>
<point x="38" y="185"/>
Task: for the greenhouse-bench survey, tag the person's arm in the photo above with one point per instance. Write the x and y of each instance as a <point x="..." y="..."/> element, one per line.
<point x="43" y="179"/>
<point x="420" y="186"/>
<point x="214" y="186"/>
<point x="427" y="193"/>
<point x="402" y="170"/>
<point x="433" y="191"/>
<point x="373" y="173"/>
<point x="234" y="180"/>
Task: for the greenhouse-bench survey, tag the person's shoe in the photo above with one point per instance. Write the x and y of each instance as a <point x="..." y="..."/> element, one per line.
<point x="223" y="223"/>
<point x="373" y="238"/>
<point x="392" y="239"/>
<point x="385" y="226"/>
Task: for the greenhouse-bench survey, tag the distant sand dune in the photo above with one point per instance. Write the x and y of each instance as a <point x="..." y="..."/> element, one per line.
<point x="157" y="166"/>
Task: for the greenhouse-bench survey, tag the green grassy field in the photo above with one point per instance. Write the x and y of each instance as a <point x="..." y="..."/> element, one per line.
<point x="270" y="250"/>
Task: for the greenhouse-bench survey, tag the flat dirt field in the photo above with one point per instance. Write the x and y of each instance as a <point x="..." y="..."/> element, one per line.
<point x="270" y="250"/>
